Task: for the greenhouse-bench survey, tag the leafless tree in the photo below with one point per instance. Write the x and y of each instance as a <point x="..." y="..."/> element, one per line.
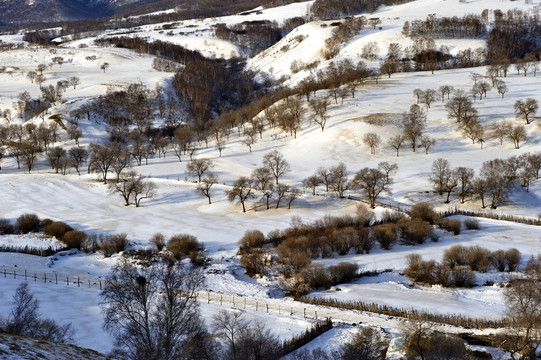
<point x="102" y="158"/>
<point x="74" y="81"/>
<point x="414" y="123"/>
<point x="428" y="97"/>
<point x="311" y="182"/>
<point x="229" y="326"/>
<point x="373" y="182"/>
<point x="161" y="316"/>
<point x="250" y="138"/>
<point x="204" y="187"/>
<point x="281" y="192"/>
<point x="319" y="107"/>
<point x="78" y="156"/>
<point x="526" y="108"/>
<point x="241" y="189"/>
<point x="501" y="131"/>
<point x="339" y="179"/>
<point x="41" y="68"/>
<point x="459" y="106"/>
<point x="427" y="142"/>
<point x="387" y="168"/>
<point x="325" y="175"/>
<point x="445" y="90"/>
<point x="275" y="161"/>
<point x="517" y="135"/>
<point x="464" y="177"/>
<point x="396" y="142"/>
<point x="501" y="87"/>
<point x="262" y="180"/>
<point x="29" y="155"/>
<point x="104" y="66"/>
<point x="372" y="140"/>
<point x="220" y="145"/>
<point x="440" y="172"/>
<point x="198" y="167"/>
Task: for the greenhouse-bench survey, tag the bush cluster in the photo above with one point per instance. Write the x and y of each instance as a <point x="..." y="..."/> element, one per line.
<point x="318" y="276"/>
<point x="28" y="223"/>
<point x="182" y="245"/>
<point x="458" y="265"/>
<point x="6" y="227"/>
<point x="113" y="244"/>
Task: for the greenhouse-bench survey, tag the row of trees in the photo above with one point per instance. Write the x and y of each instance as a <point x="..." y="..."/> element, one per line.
<point x="494" y="183"/>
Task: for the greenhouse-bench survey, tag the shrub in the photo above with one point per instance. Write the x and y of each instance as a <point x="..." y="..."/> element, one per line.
<point x="251" y="239"/>
<point x="451" y="225"/>
<point x="28" y="223"/>
<point x="419" y="270"/>
<point x="344" y="239"/>
<point x="312" y="277"/>
<point x="292" y="262"/>
<point x="343" y="272"/>
<point x="74" y="239"/>
<point x="275" y="237"/>
<point x="255" y="262"/>
<point x="57" y="229"/>
<point x="513" y="259"/>
<point x="471" y="224"/>
<point x="499" y="260"/>
<point x="365" y="242"/>
<point x="158" y="240"/>
<point x="414" y="231"/>
<point x="46" y="222"/>
<point x="113" y="244"/>
<point x="478" y="258"/>
<point x="182" y="245"/>
<point x="386" y="235"/>
<point x="463" y="277"/>
<point x="424" y="211"/>
<point x="365" y="216"/>
<point x="456" y="255"/>
<point x="6" y="227"/>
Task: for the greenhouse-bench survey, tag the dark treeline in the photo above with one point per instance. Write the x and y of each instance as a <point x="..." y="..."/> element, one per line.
<point x="128" y="18"/>
<point x="515" y="34"/>
<point x="334" y="9"/>
<point x="251" y="35"/>
<point x="469" y="26"/>
<point x="208" y="85"/>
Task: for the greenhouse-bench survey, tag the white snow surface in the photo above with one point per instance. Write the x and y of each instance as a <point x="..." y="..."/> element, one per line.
<point x="84" y="203"/>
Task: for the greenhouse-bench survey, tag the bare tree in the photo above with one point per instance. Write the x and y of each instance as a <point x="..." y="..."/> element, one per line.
<point x="339" y="179"/>
<point x="517" y="135"/>
<point x="319" y="107"/>
<point x="428" y="97"/>
<point x="372" y="140"/>
<point x="275" y="161"/>
<point x="387" y="168"/>
<point x="74" y="81"/>
<point x="445" y="90"/>
<point x="501" y="131"/>
<point x="427" y="142"/>
<point x="325" y="174"/>
<point x="151" y="311"/>
<point x="373" y="182"/>
<point x="281" y="192"/>
<point x="204" y="187"/>
<point x="464" y="177"/>
<point x="241" y="189"/>
<point x="198" y="167"/>
<point x="29" y="155"/>
<point x="104" y="66"/>
<point x="229" y="326"/>
<point x="292" y="195"/>
<point x="459" y="106"/>
<point x="220" y="145"/>
<point x="526" y="108"/>
<point x="440" y="172"/>
<point x="102" y="158"/>
<point x="311" y="182"/>
<point x="262" y="180"/>
<point x="501" y="87"/>
<point x="414" y="123"/>
<point x="396" y="142"/>
<point x="143" y="190"/>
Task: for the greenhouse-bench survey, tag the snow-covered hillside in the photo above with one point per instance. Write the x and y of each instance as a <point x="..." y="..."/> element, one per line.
<point x="85" y="203"/>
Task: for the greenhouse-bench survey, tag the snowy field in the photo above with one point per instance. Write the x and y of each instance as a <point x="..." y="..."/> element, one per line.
<point x="85" y="204"/>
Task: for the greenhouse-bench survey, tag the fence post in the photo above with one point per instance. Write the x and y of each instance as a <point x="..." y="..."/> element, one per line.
<point x="267" y="307"/>
<point x="25" y="275"/>
<point x="315" y="312"/>
<point x="89" y="283"/>
<point x="256" y="305"/>
<point x="291" y="313"/>
<point x="304" y="313"/>
<point x="56" y="278"/>
<point x="100" y="284"/>
<point x="208" y="297"/>
<point x="4" y="272"/>
<point x="35" y="277"/>
<point x="45" y="277"/>
<point x="14" y="274"/>
<point x="233" y="300"/>
<point x="67" y="281"/>
<point x="221" y="299"/>
<point x="78" y="282"/>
